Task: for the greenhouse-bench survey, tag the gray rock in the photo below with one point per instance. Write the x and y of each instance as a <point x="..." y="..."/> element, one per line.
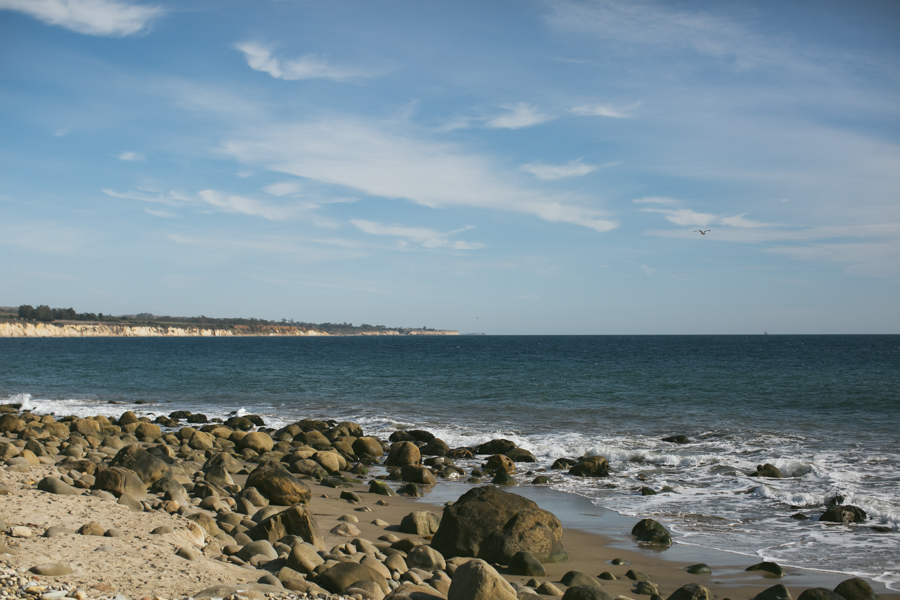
<point x="402" y="454"/>
<point x="699" y="569"/>
<point x="648" y="531"/>
<point x="132" y="503"/>
<point x="586" y="592"/>
<point x="52" y="570"/>
<point x="776" y="592"/>
<point x="53" y="485"/>
<point x="57" y="530"/>
<point x="591" y="466"/>
<point x="259" y="547"/>
<point x="278" y="485"/>
<point x="578" y="578"/>
<point x="188" y="554"/>
<point x="768" y="470"/>
<point x="112" y="532"/>
<point x="855" y="589"/>
<point x="819" y="594"/>
<point x="297" y="520"/>
<point x="843" y="514"/>
<point x="767" y="567"/>
<point x="420" y="522"/>
<point x="477" y="580"/>
<point x="118" y="481"/>
<point x="646" y="588"/>
<point x="691" y="591"/>
<point x="343" y="575"/>
<point x="426" y="558"/>
<point x="147" y="466"/>
<point x="525" y="564"/>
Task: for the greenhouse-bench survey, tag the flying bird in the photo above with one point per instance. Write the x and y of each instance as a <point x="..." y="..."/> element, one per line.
<point x="701" y="232"/>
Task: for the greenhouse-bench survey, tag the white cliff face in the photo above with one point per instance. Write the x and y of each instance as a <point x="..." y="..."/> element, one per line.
<point x="19" y="329"/>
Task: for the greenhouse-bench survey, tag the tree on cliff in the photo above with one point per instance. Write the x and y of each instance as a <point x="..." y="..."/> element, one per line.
<point x="41" y="313"/>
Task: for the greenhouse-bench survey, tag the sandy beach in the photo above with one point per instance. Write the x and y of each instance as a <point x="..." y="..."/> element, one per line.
<point x="146" y="551"/>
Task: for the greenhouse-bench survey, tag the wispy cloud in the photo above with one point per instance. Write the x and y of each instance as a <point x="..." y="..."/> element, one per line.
<point x="131" y="156"/>
<point x="227" y="203"/>
<point x="518" y="116"/>
<point x="309" y="66"/>
<point x="655" y="200"/>
<point x="283" y="189"/>
<point x="427" y="238"/>
<point x="576" y="168"/>
<point x="605" y="110"/>
<point x="686" y="217"/>
<point x="111" y="18"/>
<point x="367" y="158"/>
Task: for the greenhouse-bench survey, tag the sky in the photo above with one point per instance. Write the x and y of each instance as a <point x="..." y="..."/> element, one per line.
<point x="503" y="167"/>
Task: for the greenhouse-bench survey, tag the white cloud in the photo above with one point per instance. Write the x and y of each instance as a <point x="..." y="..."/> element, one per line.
<point x="283" y="189"/>
<point x="684" y="216"/>
<point x="309" y="66"/>
<point x="691" y="218"/>
<point x="428" y="238"/>
<point x="111" y="18"/>
<point x="655" y="200"/>
<point x="131" y="156"/>
<point x="520" y="115"/>
<point x="740" y="221"/>
<point x="370" y="160"/>
<point x="227" y="203"/>
<point x="576" y="168"/>
<point x="605" y="110"/>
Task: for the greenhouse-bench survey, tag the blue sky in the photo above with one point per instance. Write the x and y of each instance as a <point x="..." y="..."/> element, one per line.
<point x="506" y="167"/>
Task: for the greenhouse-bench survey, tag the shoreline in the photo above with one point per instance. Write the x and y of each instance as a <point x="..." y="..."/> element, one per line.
<point x="20" y="330"/>
<point x="589" y="550"/>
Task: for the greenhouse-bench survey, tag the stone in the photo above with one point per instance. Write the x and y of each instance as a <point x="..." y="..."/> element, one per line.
<point x="586" y="592"/>
<point x="53" y="485"/>
<point x="819" y="594"/>
<point x="148" y="430"/>
<point x="699" y="569"/>
<point x="503" y="478"/>
<point x="162" y="530"/>
<point x="855" y="589"/>
<point x="200" y="440"/>
<point x="691" y="591"/>
<point x="646" y="588"/>
<point x="403" y="454"/>
<point x="776" y="592"/>
<point x="411" y="591"/>
<point x="187" y="554"/>
<point x="548" y="589"/>
<point x="417" y="474"/>
<point x="118" y="481"/>
<point x="843" y="514"/>
<point x="525" y="564"/>
<point x="131" y="502"/>
<point x="381" y="488"/>
<point x="500" y="462"/>
<point x="520" y="455"/>
<point x="346" y="530"/>
<point x="20" y="531"/>
<point x="257" y="441"/>
<point x="768" y="470"/>
<point x="259" y="547"/>
<point x="648" y="531"/>
<point x="368" y="445"/>
<point x="52" y="570"/>
<point x="278" y="485"/>
<point x="578" y="578"/>
<point x="636" y="575"/>
<point x="231" y="464"/>
<point x="219" y="475"/>
<point x="493" y="525"/>
<point x="677" y="439"/>
<point x="92" y="528"/>
<point x="297" y="520"/>
<point x="591" y="466"/>
<point x="420" y="522"/>
<point x="477" y="580"/>
<point x="426" y="558"/>
<point x="500" y="446"/>
<point x="767" y="567"/>
<point x="607" y="576"/>
<point x="343" y="575"/>
<point x="56" y="530"/>
<point x="304" y="558"/>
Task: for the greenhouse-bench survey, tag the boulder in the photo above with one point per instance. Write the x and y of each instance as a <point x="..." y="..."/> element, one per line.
<point x="493" y="525"/>
<point x="258" y="548"/>
<point x="767" y="567"/>
<point x="649" y="531"/>
<point x="843" y="514"/>
<point x="586" y="592"/>
<point x="381" y="488"/>
<point x="402" y="454"/>
<point x="520" y="455"/>
<point x="10" y="423"/>
<point x="343" y="575"/>
<point x="147" y="466"/>
<point x="819" y="594"/>
<point x="855" y="589"/>
<point x="304" y="558"/>
<point x="776" y="592"/>
<point x="501" y="446"/>
<point x="500" y="462"/>
<point x="258" y="441"/>
<point x="297" y="520"/>
<point x="677" y="439"/>
<point x="477" y="580"/>
<point x="417" y="474"/>
<point x="231" y="464"/>
<point x="425" y="558"/>
<point x="420" y="522"/>
<point x="278" y="485"/>
<point x="579" y="578"/>
<point x="148" y="430"/>
<point x="410" y="591"/>
<point x="591" y="466"/>
<point x="525" y="564"/>
<point x="768" y="470"/>
<point x="53" y="485"/>
<point x="200" y="440"/>
<point x="52" y="570"/>
<point x="368" y="445"/>
<point x="691" y="591"/>
<point x="118" y="481"/>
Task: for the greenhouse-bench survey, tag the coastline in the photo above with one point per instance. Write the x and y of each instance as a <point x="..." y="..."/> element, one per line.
<point x="104" y="560"/>
<point x="90" y="330"/>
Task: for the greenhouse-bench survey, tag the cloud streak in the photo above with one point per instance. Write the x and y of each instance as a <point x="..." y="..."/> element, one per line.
<point x="368" y="159"/>
<point x="109" y="18"/>
<point x="427" y="238"/>
<point x="605" y="110"/>
<point x="226" y="203"/>
<point x="519" y="116"/>
<point x="308" y="66"/>
<point x="576" y="168"/>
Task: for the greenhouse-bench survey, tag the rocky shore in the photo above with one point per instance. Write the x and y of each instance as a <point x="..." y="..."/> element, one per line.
<point x="19" y="329"/>
<point x="180" y="507"/>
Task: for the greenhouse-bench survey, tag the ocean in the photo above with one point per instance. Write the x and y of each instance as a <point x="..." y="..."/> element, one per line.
<point x="823" y="409"/>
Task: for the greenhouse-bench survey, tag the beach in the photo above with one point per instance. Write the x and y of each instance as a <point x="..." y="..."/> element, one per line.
<point x="125" y="558"/>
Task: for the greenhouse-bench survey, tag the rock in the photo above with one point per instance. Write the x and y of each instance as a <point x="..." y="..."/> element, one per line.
<point x="118" y="481"/>
<point x="843" y="514"/>
<point x="501" y="446"/>
<point x="188" y="554"/>
<point x="411" y="591"/>
<point x="112" y="532"/>
<point x="52" y="570"/>
<point x="855" y="589"/>
<point x="231" y="464"/>
<point x="343" y="575"/>
<point x="503" y="478"/>
<point x="525" y="564"/>
<point x="579" y="578"/>
<point x="548" y="589"/>
<point x="649" y="531"/>
<point x="477" y="580"/>
<point x="297" y="520"/>
<point x="646" y="588"/>
<point x="493" y="525"/>
<point x="402" y="454"/>
<point x="201" y="440"/>
<point x="8" y="451"/>
<point x="381" y="488"/>
<point x="677" y="439"/>
<point x="647" y="491"/>
<point x="540" y="480"/>
<point x="346" y="530"/>
<point x="776" y="592"/>
<point x="132" y="503"/>
<point x="148" y="430"/>
<point x="591" y="466"/>
<point x="367" y="445"/>
<point x="10" y="423"/>
<point x="304" y="558"/>
<point x="244" y="590"/>
<point x="500" y="462"/>
<point x="278" y="485"/>
<point x="20" y="531"/>
<point x="691" y="591"/>
<point x="586" y="592"/>
<point x="767" y="567"/>
<point x="819" y="594"/>
<point x="420" y="522"/>
<point x="162" y="530"/>
<point x="259" y="547"/>
<point x="206" y="523"/>
<point x="768" y="470"/>
<point x="636" y="575"/>
<point x="53" y="485"/>
<point x="426" y="558"/>
<point x="607" y="576"/>
<point x="410" y="489"/>
<point x="699" y="569"/>
<point x="520" y="455"/>
<point x="257" y="441"/>
<point x="92" y="528"/>
<point x="57" y="530"/>
<point x="219" y="475"/>
<point x="416" y="474"/>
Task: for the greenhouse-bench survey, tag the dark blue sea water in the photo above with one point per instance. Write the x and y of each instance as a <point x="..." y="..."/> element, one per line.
<point x="823" y="409"/>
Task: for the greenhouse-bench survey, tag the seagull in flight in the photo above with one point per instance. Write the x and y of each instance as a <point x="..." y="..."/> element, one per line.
<point x="701" y="232"/>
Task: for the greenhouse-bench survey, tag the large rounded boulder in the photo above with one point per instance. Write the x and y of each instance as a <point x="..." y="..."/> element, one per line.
<point x="591" y="466"/>
<point x="494" y="525"/>
<point x="278" y="485"/>
<point x="403" y="454"/>
<point x="148" y="467"/>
